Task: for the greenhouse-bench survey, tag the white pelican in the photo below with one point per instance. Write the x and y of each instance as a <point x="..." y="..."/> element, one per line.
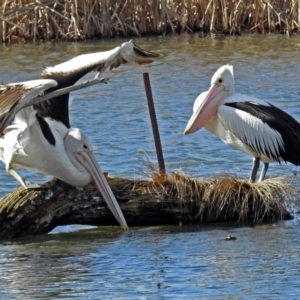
<point x="41" y="138"/>
<point x="246" y="123"/>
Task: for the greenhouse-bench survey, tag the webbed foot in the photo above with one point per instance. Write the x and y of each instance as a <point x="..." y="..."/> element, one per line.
<point x="31" y="185"/>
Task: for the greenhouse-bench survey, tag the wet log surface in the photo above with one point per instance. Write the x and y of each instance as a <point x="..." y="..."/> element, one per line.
<point x="143" y="202"/>
<point x="26" y="212"/>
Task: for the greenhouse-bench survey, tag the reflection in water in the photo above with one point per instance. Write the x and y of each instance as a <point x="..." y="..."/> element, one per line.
<point x="44" y="263"/>
<point x="173" y="262"/>
<point x="167" y="262"/>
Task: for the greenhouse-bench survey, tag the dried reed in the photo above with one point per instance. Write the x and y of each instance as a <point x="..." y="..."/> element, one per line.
<point x="23" y="20"/>
<point x="226" y="198"/>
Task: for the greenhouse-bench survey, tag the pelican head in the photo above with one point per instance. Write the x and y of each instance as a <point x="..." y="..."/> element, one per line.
<point x="131" y="53"/>
<point x="206" y="105"/>
<point x="79" y="150"/>
<point x="76" y="143"/>
<point x="224" y="77"/>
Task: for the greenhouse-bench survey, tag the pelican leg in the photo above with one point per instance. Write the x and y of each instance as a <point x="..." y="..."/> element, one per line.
<point x="255" y="167"/>
<point x="97" y="75"/>
<point x="263" y="172"/>
<point x="26" y="184"/>
<point x="101" y="71"/>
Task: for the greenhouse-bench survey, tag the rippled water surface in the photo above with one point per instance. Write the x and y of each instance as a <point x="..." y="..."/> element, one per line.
<point x="161" y="262"/>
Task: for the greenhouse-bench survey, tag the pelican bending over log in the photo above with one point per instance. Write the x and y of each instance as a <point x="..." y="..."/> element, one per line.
<point x="41" y="138"/>
<point x="251" y="125"/>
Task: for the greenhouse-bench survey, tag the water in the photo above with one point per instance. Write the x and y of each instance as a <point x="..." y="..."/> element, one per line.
<point x="155" y="263"/>
<point x="182" y="262"/>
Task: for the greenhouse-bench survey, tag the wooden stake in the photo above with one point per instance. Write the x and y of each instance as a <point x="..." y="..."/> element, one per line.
<point x="159" y="152"/>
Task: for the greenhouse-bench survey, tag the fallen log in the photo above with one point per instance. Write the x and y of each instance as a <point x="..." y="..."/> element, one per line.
<point x="168" y="200"/>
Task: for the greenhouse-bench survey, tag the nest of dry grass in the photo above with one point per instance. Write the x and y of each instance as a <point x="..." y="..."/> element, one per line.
<point x="226" y="198"/>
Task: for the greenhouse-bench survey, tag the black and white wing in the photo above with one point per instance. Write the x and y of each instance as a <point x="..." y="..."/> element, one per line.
<point x="264" y="128"/>
<point x="69" y="72"/>
<point x="16" y="96"/>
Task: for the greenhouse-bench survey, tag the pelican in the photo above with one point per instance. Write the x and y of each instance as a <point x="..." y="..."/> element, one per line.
<point x="251" y="125"/>
<point x="41" y="138"/>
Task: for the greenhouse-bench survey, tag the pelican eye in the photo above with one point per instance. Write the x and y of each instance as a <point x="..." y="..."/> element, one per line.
<point x="220" y="80"/>
<point x="85" y="146"/>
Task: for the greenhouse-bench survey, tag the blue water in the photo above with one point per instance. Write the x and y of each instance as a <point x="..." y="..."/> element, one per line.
<point x="179" y="262"/>
<point x="155" y="263"/>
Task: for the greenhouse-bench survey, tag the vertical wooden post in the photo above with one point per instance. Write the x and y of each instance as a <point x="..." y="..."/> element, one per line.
<point x="159" y="152"/>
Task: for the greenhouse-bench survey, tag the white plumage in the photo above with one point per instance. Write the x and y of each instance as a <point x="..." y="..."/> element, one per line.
<point x="246" y="123"/>
<point x="41" y="138"/>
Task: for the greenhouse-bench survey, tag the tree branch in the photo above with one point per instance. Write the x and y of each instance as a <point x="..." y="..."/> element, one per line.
<point x="175" y="200"/>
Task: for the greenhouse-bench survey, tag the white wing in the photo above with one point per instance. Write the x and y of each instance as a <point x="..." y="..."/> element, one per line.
<point x="128" y="52"/>
<point x="252" y="131"/>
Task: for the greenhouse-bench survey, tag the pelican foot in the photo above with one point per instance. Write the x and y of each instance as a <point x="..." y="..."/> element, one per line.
<point x="26" y="184"/>
<point x="31" y="185"/>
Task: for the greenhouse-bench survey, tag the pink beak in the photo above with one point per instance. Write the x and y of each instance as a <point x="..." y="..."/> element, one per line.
<point x="208" y="107"/>
<point x="89" y="161"/>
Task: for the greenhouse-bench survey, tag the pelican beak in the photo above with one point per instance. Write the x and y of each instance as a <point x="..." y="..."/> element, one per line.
<point x="89" y="161"/>
<point x="143" y="56"/>
<point x="208" y="107"/>
<point x="131" y="53"/>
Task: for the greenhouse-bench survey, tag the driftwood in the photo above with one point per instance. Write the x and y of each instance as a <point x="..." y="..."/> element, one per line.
<point x="26" y="212"/>
<point x="172" y="200"/>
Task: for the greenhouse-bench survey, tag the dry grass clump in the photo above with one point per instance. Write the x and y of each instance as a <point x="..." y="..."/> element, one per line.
<point x="22" y="20"/>
<point x="226" y="198"/>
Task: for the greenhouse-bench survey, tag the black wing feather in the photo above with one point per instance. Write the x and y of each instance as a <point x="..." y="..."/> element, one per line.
<point x="46" y="130"/>
<point x="58" y="108"/>
<point x="277" y="119"/>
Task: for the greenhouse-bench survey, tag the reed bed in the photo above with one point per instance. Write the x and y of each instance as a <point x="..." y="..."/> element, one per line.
<point x="226" y="198"/>
<point x="33" y="20"/>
